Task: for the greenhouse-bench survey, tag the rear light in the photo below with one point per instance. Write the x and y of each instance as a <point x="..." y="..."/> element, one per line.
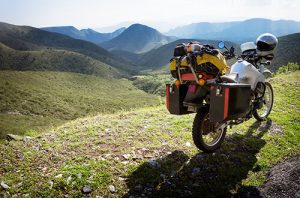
<point x="201" y="82"/>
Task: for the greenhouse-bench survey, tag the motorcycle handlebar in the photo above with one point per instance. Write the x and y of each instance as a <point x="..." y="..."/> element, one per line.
<point x="228" y="55"/>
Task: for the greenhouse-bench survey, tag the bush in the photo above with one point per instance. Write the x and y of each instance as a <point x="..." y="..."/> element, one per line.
<point x="154" y="84"/>
<point x="290" y="67"/>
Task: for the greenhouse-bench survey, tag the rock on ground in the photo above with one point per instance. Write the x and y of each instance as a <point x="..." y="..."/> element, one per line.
<point x="86" y="190"/>
<point x="112" y="189"/>
<point x="4" y="185"/>
<point x="10" y="137"/>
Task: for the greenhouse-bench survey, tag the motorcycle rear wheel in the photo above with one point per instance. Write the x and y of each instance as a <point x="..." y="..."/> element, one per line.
<point x="205" y="137"/>
<point x="263" y="112"/>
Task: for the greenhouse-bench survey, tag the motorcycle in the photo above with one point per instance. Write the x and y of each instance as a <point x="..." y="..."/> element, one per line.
<point x="223" y="100"/>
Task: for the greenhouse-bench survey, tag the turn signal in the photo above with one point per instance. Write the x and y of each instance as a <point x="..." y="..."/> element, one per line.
<point x="177" y="83"/>
<point x="201" y="82"/>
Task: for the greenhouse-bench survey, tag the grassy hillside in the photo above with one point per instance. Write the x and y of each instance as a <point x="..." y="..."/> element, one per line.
<point x="53" y="60"/>
<point x="287" y="51"/>
<point x="38" y="100"/>
<point x="130" y="56"/>
<point x="28" y="38"/>
<point x="149" y="152"/>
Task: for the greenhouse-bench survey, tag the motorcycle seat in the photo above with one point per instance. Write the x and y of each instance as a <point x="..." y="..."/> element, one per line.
<point x="230" y="78"/>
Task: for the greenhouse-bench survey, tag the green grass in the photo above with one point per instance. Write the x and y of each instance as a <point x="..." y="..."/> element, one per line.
<point x="42" y="100"/>
<point x="115" y="149"/>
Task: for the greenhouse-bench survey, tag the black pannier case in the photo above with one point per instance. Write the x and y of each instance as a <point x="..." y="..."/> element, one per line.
<point x="229" y="101"/>
<point x="175" y="97"/>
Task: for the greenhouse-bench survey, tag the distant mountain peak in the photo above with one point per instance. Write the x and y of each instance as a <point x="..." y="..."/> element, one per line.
<point x="137" y="38"/>
<point x="89" y="30"/>
<point x="140" y="27"/>
<point x="84" y="34"/>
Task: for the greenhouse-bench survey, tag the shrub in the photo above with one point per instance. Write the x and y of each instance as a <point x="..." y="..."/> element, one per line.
<point x="290" y="67"/>
<point x="154" y="84"/>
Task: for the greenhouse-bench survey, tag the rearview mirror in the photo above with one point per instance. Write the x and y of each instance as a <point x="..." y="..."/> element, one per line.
<point x="221" y="44"/>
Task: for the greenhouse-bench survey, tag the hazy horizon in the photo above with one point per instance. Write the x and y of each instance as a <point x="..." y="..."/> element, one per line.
<point x="162" y="15"/>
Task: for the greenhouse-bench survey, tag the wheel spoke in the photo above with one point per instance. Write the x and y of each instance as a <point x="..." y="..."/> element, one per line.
<point x="210" y="135"/>
<point x="267" y="103"/>
<point x="205" y="135"/>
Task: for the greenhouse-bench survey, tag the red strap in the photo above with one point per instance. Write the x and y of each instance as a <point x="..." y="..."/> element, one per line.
<point x="226" y="100"/>
<point x="167" y="97"/>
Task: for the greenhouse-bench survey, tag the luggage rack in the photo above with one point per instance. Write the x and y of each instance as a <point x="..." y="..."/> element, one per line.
<point x="192" y="70"/>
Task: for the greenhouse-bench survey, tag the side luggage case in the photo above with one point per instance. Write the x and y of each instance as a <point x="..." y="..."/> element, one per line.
<point x="174" y="99"/>
<point x="229" y="101"/>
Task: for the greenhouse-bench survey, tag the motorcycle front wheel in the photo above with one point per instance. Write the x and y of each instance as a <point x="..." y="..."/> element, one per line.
<point x="205" y="136"/>
<point x="263" y="111"/>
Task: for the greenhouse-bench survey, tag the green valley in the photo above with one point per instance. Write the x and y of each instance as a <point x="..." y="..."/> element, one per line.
<point x="39" y="100"/>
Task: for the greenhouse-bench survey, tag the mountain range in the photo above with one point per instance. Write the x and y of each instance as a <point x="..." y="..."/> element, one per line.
<point x="26" y="38"/>
<point x="85" y="34"/>
<point x="238" y="32"/>
<point x="130" y="50"/>
<point x="287" y="50"/>
<point x="137" y="38"/>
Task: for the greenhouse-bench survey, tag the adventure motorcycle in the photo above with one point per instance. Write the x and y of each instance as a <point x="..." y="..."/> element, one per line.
<point x="219" y="99"/>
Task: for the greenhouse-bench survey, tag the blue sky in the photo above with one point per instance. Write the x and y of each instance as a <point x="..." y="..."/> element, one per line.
<point x="161" y="14"/>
